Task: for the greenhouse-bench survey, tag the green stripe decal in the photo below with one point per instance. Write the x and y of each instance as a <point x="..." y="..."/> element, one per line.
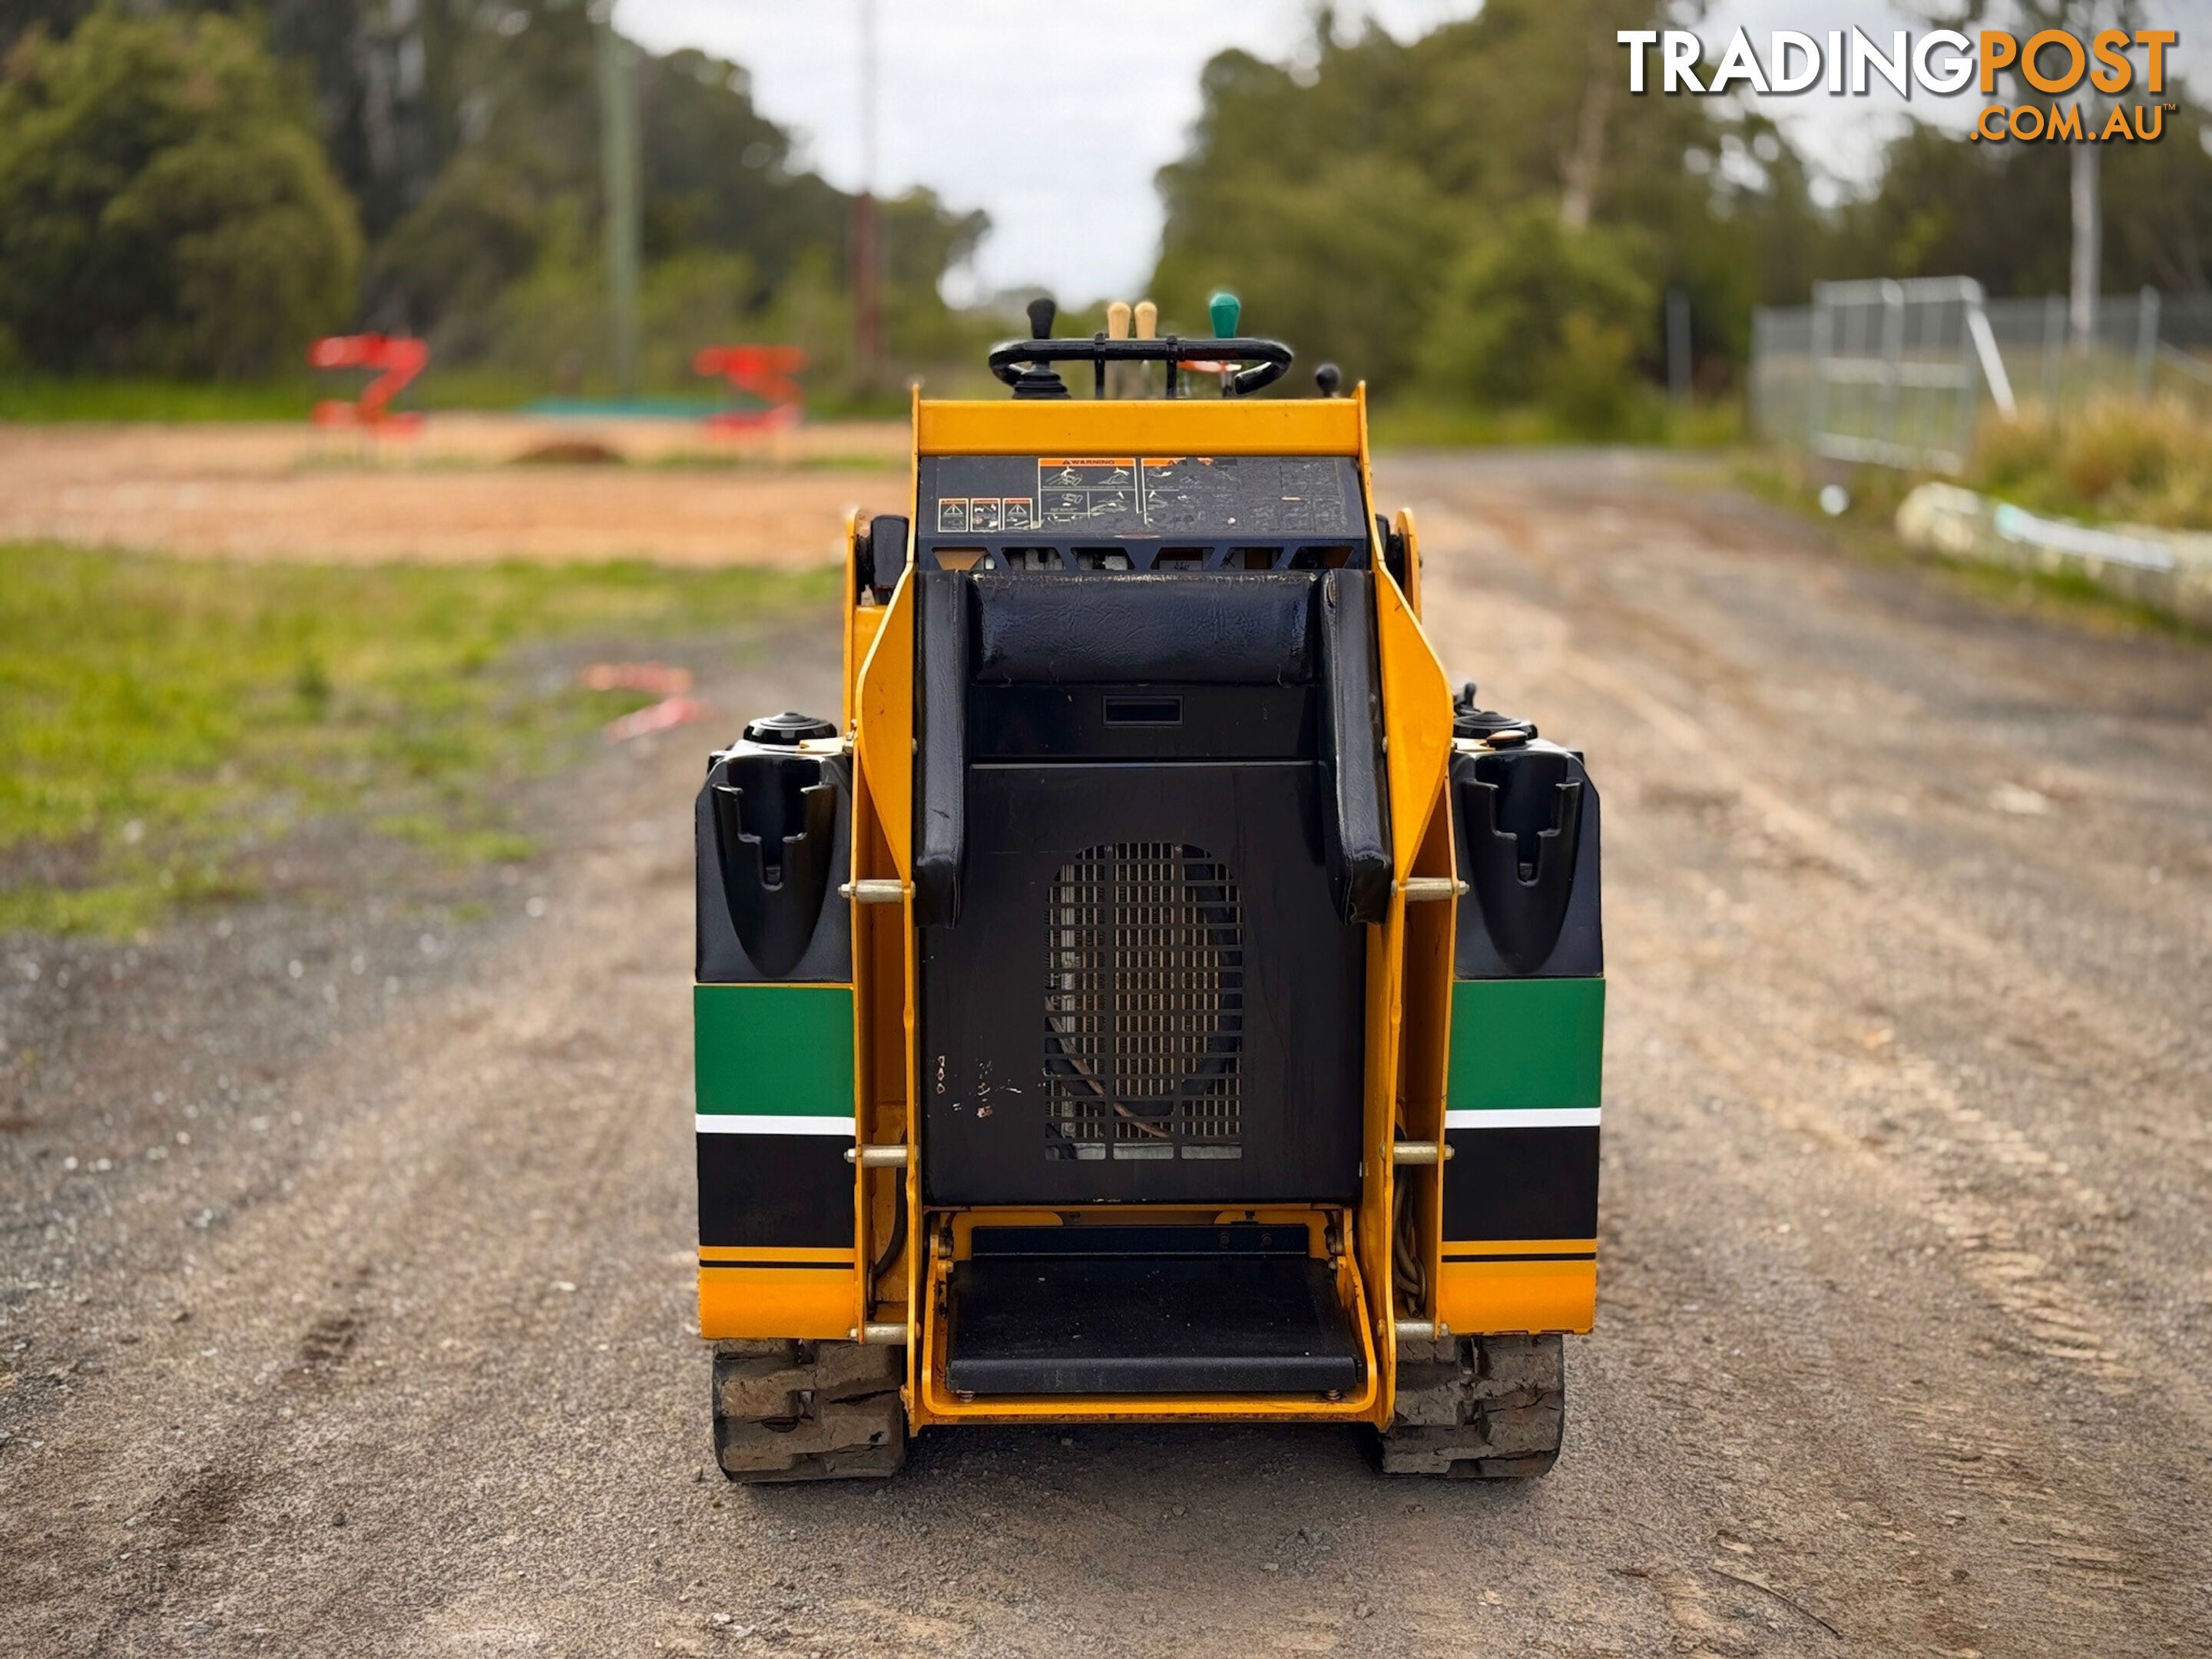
<point x="786" y="1050"/>
<point x="1523" y="1044"/>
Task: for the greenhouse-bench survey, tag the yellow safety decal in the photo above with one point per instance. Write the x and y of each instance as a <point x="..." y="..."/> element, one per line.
<point x="813" y="1301"/>
<point x="1480" y="1297"/>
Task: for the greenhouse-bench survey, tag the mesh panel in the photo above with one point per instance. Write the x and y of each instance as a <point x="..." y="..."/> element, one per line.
<point x="1144" y="1009"/>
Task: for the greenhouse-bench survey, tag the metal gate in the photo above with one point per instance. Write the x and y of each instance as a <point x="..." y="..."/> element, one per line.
<point x="1896" y="370"/>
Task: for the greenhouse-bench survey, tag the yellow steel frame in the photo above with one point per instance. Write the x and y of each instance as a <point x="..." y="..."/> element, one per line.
<point x="1333" y="426"/>
<point x="933" y="1402"/>
<point x="1409" y="953"/>
<point x="951" y="1239"/>
<point x="1316" y="1220"/>
<point x="884" y="960"/>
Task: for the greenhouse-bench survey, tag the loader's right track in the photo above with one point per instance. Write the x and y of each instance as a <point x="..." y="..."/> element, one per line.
<point x="1477" y="1407"/>
<point x="808" y="1411"/>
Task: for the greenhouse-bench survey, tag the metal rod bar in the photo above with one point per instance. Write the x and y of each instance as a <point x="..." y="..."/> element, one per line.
<point x="877" y="1158"/>
<point x="873" y="893"/>
<point x="1892" y="355"/>
<point x="1420" y="1151"/>
<point x="2146" y="339"/>
<point x="1418" y="888"/>
<point x="1868" y="371"/>
<point x="1993" y="368"/>
<point x="2174" y="357"/>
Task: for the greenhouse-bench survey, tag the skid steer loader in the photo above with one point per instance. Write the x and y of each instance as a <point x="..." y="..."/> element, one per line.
<point x="1152" y="998"/>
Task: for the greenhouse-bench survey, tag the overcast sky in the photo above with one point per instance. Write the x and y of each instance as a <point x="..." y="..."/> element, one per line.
<point x="978" y="99"/>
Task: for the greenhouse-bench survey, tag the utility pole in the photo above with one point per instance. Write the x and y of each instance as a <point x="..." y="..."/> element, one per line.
<point x="868" y="225"/>
<point x="1678" y="345"/>
<point x="2087" y="264"/>
<point x="2085" y="19"/>
<point x="620" y="165"/>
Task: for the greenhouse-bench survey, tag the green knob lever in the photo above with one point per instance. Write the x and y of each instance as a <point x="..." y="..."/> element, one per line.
<point x="1224" y="308"/>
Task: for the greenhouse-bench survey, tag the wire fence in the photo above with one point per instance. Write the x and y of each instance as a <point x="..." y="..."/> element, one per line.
<point x="1900" y="372"/>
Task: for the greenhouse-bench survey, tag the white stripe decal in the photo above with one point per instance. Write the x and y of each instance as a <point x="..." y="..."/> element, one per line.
<point x="1525" y="1117"/>
<point x="772" y="1123"/>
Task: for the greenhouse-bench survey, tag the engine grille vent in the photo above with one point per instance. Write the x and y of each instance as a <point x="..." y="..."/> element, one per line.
<point x="1144" y="1006"/>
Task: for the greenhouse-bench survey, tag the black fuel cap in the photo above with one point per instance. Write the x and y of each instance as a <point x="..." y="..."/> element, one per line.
<point x="789" y="729"/>
<point x="1487" y="723"/>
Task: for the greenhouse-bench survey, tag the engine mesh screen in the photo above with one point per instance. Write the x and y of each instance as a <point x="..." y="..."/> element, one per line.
<point x="1144" y="1007"/>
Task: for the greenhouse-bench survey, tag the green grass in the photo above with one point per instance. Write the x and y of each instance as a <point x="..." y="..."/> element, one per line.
<point x="42" y="397"/>
<point x="45" y="397"/>
<point x="165" y="723"/>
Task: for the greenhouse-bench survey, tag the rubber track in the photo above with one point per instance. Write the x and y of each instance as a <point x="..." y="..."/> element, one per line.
<point x="1478" y="1408"/>
<point x="786" y="1411"/>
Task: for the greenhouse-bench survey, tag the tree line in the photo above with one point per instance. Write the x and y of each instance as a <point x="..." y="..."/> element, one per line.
<point x="1483" y="216"/>
<point x="199" y="189"/>
<point x="1487" y="215"/>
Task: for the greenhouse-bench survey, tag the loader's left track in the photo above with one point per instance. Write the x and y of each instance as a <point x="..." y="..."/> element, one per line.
<point x="1477" y="1407"/>
<point x="808" y="1411"/>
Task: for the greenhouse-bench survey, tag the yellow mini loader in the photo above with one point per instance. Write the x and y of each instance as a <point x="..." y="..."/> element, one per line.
<point x="1153" y="999"/>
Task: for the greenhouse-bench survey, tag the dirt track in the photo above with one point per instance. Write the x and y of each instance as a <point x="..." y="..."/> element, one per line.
<point x="1905" y="1314"/>
<point x="459" y="489"/>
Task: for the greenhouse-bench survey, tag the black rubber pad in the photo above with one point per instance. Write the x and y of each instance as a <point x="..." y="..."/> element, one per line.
<point x="1236" y="1324"/>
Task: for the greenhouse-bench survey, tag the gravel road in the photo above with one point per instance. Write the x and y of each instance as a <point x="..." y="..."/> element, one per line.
<point x="1905" y="1316"/>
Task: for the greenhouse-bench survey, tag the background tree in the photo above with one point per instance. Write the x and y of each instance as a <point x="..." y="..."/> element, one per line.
<point x="165" y="205"/>
<point x="2002" y="214"/>
<point x="1545" y="312"/>
<point x="467" y="136"/>
<point x="497" y="261"/>
<point x="1390" y="205"/>
<point x="1485" y="214"/>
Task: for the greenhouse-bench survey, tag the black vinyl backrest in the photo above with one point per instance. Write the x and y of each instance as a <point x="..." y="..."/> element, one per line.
<point x="1250" y="629"/>
<point x="1260" y="628"/>
<point x="1361" y="865"/>
<point x="940" y="766"/>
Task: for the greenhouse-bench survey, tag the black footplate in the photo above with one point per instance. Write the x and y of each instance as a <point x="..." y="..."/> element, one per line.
<point x="1128" y="1309"/>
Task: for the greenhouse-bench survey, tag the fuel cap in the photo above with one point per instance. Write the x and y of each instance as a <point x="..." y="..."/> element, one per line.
<point x="1486" y="723"/>
<point x="789" y="729"/>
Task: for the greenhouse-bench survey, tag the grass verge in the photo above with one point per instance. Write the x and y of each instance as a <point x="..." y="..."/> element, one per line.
<point x="2115" y="459"/>
<point x="287" y="396"/>
<point x="165" y="723"/>
<point x="291" y="395"/>
<point x="1868" y="529"/>
<point x="54" y="398"/>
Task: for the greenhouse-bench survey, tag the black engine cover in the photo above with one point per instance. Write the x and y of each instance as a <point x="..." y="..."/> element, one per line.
<point x="1149" y="994"/>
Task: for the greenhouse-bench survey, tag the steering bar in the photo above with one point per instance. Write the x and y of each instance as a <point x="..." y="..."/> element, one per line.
<point x="1269" y="359"/>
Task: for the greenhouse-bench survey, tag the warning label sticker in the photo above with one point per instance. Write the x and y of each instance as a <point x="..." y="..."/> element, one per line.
<point x="1257" y="494"/>
<point x="1197" y="496"/>
<point x="985" y="515"/>
<point x="1087" y="490"/>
